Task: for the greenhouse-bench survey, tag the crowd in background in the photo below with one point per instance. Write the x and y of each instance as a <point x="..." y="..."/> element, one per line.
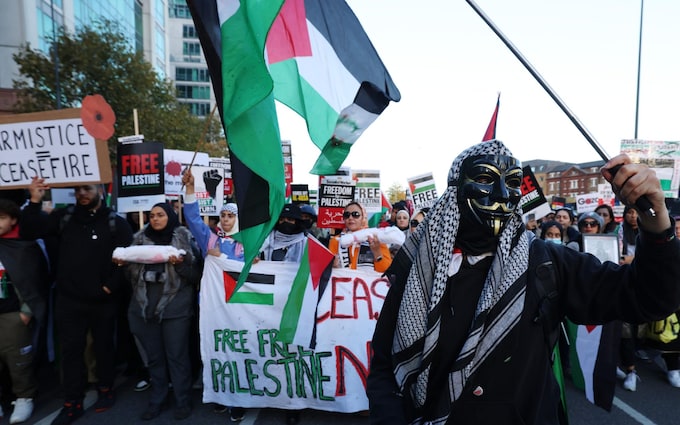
<point x="136" y="318"/>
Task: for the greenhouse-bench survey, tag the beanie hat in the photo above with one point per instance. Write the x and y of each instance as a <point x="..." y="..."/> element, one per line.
<point x="594" y="216"/>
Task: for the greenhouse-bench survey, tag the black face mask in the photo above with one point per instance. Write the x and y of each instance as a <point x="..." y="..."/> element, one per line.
<point x="307" y="224"/>
<point x="289" y="228"/>
<point x="490" y="189"/>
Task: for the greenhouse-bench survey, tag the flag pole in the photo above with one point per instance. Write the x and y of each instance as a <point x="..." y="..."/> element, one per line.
<point x="637" y="92"/>
<point x="206" y="126"/>
<point x="572" y="117"/>
<point x="643" y="204"/>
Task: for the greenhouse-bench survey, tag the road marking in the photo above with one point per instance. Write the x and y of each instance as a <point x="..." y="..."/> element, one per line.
<point x="630" y="411"/>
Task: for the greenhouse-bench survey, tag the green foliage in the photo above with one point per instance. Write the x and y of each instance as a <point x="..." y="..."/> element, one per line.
<point x="99" y="60"/>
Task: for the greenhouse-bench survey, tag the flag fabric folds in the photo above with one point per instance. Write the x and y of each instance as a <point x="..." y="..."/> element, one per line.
<point x="233" y="35"/>
<point x="298" y="321"/>
<point x="594" y="354"/>
<point x="491" y="129"/>
<point x="385" y="209"/>
<point x="325" y="68"/>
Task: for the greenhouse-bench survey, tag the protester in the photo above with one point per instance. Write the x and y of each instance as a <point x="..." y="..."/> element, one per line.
<point x="217" y="237"/>
<point x="607" y="214"/>
<point x="670" y="352"/>
<point x="214" y="240"/>
<point x="23" y="280"/>
<point x="551" y="232"/>
<point x="287" y="243"/>
<point x="368" y="253"/>
<point x="288" y="239"/>
<point x="396" y="207"/>
<point x="87" y="285"/>
<point x="309" y="218"/>
<point x="403" y="221"/>
<point x="161" y="309"/>
<point x="465" y="336"/>
<point x="630" y="332"/>
<point x="565" y="216"/>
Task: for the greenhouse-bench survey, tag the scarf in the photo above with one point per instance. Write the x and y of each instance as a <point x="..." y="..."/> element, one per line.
<point x="292" y="244"/>
<point x="429" y="251"/>
<point x="163" y="236"/>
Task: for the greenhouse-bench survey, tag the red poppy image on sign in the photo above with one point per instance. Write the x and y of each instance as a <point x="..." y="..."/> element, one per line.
<point x="98" y="117"/>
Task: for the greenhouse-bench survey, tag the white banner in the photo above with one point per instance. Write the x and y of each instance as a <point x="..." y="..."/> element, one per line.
<point x="247" y="365"/>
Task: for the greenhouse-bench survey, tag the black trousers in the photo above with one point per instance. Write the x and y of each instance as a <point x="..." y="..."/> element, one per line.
<point x="73" y="319"/>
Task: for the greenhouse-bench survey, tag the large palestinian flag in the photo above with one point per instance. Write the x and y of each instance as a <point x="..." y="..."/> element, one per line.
<point x="325" y="68"/>
<point x="233" y="35"/>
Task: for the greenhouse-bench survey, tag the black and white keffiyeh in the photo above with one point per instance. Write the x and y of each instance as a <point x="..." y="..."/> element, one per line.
<point x="430" y="250"/>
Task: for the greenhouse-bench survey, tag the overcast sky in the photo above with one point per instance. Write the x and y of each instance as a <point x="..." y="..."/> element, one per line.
<point x="449" y="67"/>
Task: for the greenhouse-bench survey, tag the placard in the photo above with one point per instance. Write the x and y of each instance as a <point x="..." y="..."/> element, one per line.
<point x="53" y="145"/>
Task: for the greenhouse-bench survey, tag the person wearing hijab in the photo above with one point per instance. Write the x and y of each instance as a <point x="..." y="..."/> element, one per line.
<point x="402" y="221"/>
<point x="212" y="240"/>
<point x="370" y="253"/>
<point x="288" y="239"/>
<point x="462" y="334"/>
<point x="161" y="310"/>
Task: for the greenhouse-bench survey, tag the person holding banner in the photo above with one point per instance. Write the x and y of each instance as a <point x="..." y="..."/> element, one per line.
<point x="288" y="239"/>
<point x="162" y="306"/>
<point x="215" y="241"/>
<point x="368" y="253"/>
<point x="468" y="328"/>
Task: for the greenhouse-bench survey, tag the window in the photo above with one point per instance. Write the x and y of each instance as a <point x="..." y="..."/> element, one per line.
<point x="179" y="9"/>
<point x="189" y="31"/>
<point x="191" y="48"/>
<point x="551" y="187"/>
<point x="193" y="92"/>
<point x="192" y="74"/>
<point x="199" y="109"/>
<point x="573" y="184"/>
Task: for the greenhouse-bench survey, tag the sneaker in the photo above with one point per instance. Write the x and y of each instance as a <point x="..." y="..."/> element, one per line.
<point x="23" y="409"/>
<point x="237" y="414"/>
<point x="106" y="398"/>
<point x="142" y="385"/>
<point x="71" y="411"/>
<point x="673" y="378"/>
<point x="630" y="383"/>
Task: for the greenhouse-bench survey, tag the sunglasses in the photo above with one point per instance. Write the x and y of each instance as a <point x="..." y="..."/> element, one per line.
<point x="347" y="214"/>
<point x="414" y="223"/>
<point x="589" y="224"/>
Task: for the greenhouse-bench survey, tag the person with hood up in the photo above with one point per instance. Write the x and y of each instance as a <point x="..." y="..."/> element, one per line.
<point x="462" y="336"/>
<point x="288" y="239"/>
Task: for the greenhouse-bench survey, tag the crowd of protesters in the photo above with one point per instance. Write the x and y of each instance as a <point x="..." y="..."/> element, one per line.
<point x="115" y="315"/>
<point x="141" y="319"/>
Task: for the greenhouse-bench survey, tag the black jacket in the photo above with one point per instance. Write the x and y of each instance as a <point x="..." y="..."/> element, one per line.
<point x="515" y="384"/>
<point x="85" y="242"/>
<point x="26" y="267"/>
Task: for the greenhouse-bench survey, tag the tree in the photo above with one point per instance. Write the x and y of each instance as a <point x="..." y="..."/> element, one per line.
<point x="396" y="192"/>
<point x="100" y="60"/>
